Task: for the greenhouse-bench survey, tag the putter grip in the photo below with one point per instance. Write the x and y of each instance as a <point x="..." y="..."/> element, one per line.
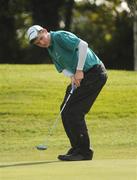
<point x="73" y="87"/>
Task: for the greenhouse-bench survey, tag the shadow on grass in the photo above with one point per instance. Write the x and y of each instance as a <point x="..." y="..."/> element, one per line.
<point x="27" y="163"/>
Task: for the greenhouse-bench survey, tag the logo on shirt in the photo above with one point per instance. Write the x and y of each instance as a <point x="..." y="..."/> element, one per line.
<point x="57" y="55"/>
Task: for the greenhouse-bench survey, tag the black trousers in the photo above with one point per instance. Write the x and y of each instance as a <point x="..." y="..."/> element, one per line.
<point x="79" y="104"/>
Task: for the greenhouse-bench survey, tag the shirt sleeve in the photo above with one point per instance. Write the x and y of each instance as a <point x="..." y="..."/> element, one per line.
<point x="67" y="73"/>
<point x="67" y="40"/>
<point x="58" y="67"/>
<point x="82" y="53"/>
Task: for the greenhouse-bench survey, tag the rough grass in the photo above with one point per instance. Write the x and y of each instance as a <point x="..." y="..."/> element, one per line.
<point x="30" y="97"/>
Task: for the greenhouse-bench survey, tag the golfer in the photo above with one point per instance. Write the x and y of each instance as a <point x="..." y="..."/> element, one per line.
<point x="72" y="57"/>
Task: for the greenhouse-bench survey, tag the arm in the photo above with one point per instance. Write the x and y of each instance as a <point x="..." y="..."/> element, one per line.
<point x="82" y="53"/>
<point x="79" y="75"/>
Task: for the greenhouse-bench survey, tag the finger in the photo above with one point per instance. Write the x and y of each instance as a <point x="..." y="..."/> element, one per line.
<point x="77" y="83"/>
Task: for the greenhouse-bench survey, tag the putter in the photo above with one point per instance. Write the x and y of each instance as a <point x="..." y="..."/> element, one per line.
<point x="44" y="146"/>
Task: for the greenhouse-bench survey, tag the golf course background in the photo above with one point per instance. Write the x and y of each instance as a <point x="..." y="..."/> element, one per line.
<point x="30" y="98"/>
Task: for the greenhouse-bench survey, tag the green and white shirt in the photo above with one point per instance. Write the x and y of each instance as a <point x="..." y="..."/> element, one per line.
<point x="64" y="52"/>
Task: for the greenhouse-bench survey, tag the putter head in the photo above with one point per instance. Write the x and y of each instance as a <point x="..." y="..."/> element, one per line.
<point x="41" y="147"/>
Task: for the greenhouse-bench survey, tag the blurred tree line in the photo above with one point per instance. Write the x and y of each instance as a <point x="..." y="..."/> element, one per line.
<point x="106" y="27"/>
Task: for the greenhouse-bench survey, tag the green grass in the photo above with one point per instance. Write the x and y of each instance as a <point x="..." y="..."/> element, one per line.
<point x="97" y="170"/>
<point x="30" y="97"/>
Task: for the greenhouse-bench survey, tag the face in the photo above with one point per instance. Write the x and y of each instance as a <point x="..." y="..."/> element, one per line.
<point x="43" y="39"/>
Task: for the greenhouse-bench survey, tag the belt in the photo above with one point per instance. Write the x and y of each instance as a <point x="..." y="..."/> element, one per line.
<point x="96" y="67"/>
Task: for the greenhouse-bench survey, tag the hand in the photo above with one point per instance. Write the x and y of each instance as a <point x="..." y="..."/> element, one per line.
<point x="78" y="76"/>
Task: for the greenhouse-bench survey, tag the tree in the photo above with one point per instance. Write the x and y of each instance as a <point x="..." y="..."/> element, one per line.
<point x="101" y="25"/>
<point x="133" y="7"/>
<point x="46" y="13"/>
<point x="108" y="32"/>
<point x="9" y="47"/>
<point x="68" y="13"/>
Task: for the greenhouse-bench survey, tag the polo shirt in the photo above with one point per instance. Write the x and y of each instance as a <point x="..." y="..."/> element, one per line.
<point x="64" y="52"/>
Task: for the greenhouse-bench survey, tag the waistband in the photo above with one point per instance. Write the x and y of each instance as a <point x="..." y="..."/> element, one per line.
<point x="97" y="68"/>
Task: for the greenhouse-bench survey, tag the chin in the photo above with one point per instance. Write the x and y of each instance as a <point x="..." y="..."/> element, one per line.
<point x="43" y="46"/>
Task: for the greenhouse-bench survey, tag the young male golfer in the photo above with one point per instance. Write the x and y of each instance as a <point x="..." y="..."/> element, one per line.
<point x="74" y="59"/>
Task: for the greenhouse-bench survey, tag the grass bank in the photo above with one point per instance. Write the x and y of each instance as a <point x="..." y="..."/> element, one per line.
<point x="30" y="97"/>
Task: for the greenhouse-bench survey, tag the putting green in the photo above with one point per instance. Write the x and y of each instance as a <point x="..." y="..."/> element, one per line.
<point x="82" y="170"/>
